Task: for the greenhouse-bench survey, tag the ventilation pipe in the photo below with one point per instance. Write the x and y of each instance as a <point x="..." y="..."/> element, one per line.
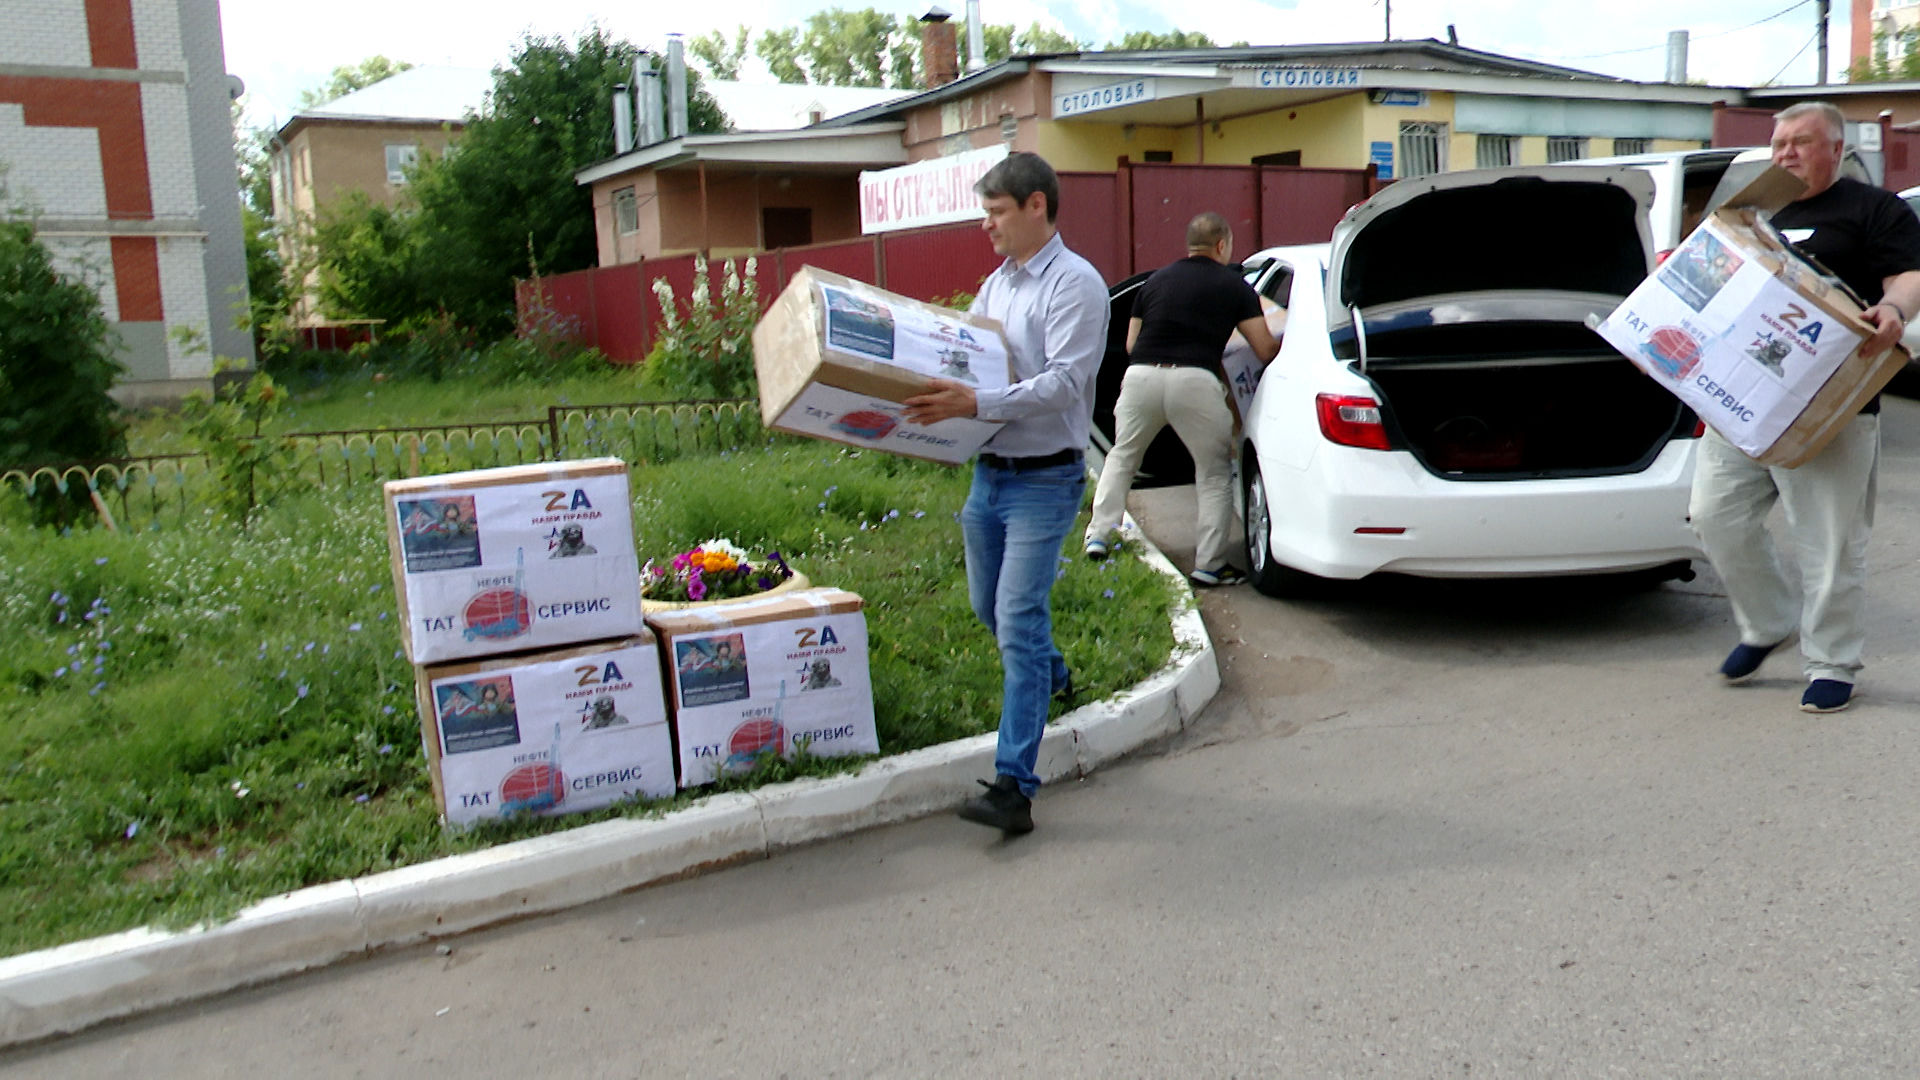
<point x="622" y="119"/>
<point x="676" y="88"/>
<point x="976" y="39"/>
<point x="648" y="120"/>
<point x="1677" y="57"/>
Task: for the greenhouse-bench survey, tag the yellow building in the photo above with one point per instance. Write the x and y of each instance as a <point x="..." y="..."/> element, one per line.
<point x="1405" y="107"/>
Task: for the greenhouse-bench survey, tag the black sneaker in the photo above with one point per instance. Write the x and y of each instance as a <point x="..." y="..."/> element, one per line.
<point x="1001" y="807"/>
<point x="1064" y="693"/>
<point x="1746" y="659"/>
<point x="1218" y="576"/>
<point x="1826" y="695"/>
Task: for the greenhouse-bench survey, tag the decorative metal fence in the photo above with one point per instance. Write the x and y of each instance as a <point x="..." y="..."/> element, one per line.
<point x="172" y="489"/>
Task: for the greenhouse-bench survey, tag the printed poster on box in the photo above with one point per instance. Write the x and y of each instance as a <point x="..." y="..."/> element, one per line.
<point x="1741" y="348"/>
<point x="513" y="559"/>
<point x="550" y="736"/>
<point x="770" y="687"/>
<point x="861" y="324"/>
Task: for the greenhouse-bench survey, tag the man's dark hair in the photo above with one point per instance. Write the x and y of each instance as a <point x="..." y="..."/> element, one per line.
<point x="1206" y="230"/>
<point x="1018" y="177"/>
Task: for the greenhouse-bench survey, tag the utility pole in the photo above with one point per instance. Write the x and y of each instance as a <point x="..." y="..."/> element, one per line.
<point x="1824" y="8"/>
<point x="1388" y="4"/>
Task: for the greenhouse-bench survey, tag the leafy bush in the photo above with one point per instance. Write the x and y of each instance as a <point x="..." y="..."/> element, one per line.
<point x="56" y="360"/>
<point x="705" y="349"/>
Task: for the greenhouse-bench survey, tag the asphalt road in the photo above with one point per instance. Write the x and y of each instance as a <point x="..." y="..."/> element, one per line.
<point x="1425" y="830"/>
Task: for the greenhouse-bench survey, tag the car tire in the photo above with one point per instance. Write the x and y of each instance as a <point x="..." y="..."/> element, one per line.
<point x="1267" y="573"/>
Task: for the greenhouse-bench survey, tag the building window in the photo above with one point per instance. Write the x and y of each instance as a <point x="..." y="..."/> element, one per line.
<point x="1632" y="146"/>
<point x="400" y="158"/>
<point x="1163" y="156"/>
<point x="1565" y="148"/>
<point x="626" y="211"/>
<point x="1496" y="151"/>
<point x="1423" y="148"/>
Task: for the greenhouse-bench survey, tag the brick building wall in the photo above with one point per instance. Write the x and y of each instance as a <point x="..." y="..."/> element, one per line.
<point x="115" y="135"/>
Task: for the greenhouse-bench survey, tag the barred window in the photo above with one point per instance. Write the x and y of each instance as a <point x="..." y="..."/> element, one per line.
<point x="1423" y="148"/>
<point x="1566" y="148"/>
<point x="1632" y="146"/>
<point x="626" y="211"/>
<point x="1496" y="151"/>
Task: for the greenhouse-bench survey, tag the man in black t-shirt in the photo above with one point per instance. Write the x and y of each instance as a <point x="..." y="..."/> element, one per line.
<point x="1871" y="240"/>
<point x="1182" y="318"/>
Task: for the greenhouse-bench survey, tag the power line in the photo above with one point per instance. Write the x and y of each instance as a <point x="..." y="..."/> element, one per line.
<point x="1791" y="59"/>
<point x="1701" y="37"/>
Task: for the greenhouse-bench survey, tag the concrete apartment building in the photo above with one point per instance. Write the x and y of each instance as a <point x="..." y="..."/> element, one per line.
<point x="364" y="141"/>
<point x="116" y="137"/>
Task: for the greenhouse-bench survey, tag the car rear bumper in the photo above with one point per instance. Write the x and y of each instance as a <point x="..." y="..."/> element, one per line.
<point x="1481" y="528"/>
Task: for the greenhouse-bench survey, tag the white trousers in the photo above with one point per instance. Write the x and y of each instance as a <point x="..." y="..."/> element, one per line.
<point x="1194" y="401"/>
<point x="1829" y="510"/>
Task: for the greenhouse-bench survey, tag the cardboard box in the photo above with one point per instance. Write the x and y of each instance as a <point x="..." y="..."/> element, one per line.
<point x="1242" y="368"/>
<point x="505" y="560"/>
<point x="546" y="733"/>
<point x="1750" y="335"/>
<point x="752" y="676"/>
<point x="835" y="357"/>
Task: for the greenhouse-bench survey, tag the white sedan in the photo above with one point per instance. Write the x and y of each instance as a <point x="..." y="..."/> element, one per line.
<point x="1439" y="406"/>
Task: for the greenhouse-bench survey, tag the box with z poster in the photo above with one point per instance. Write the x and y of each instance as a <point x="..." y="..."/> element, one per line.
<point x="1755" y="339"/>
<point x="505" y="560"/>
<point x="752" y="677"/>
<point x="546" y="733"/>
<point x="835" y="358"/>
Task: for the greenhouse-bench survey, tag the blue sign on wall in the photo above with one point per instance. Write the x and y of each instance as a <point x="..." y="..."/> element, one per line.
<point x="1381" y="154"/>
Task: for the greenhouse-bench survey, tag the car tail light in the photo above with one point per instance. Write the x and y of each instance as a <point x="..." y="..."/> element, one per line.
<point x="1662" y="257"/>
<point x="1351" y="421"/>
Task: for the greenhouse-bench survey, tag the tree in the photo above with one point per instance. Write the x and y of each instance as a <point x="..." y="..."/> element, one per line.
<point x="56" y="360"/>
<point x="1173" y="39"/>
<point x="350" y="77"/>
<point x="1878" y="68"/>
<point x="505" y="203"/>
<point x="721" y="56"/>
<point x="836" y="47"/>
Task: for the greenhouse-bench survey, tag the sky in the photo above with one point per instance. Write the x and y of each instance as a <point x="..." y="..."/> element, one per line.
<point x="279" y="49"/>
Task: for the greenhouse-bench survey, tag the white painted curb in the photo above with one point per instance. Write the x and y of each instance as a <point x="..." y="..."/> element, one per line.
<point x="64" y="989"/>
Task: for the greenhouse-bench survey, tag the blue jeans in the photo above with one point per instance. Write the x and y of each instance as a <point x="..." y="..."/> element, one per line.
<point x="1014" y="524"/>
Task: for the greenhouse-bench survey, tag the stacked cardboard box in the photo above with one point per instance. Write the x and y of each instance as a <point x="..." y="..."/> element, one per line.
<point x="773" y="675"/>
<point x="532" y="570"/>
<point x="835" y="358"/>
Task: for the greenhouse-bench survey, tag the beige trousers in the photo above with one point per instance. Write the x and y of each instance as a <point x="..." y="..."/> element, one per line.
<point x="1829" y="510"/>
<point x="1194" y="401"/>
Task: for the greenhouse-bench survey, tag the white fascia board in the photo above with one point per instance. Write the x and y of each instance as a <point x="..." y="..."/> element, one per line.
<point x="865" y="144"/>
<point x="1134" y="70"/>
<point x="1522" y="86"/>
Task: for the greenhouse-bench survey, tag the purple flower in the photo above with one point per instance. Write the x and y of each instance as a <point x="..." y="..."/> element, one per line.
<point x="386" y="748"/>
<point x="132" y="828"/>
<point x="1108" y="594"/>
<point x="362" y="798"/>
<point x="696" y="587"/>
<point x="353" y="628"/>
<point x="101" y="561"/>
<point x="387" y="709"/>
<point x="301" y="690"/>
<point x="60" y="672"/>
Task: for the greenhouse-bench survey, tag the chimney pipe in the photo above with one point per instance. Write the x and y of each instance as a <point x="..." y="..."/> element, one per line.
<point x="622" y="119"/>
<point x="646" y="92"/>
<point x="976" y="39"/>
<point x="676" y="88"/>
<point x="1677" y="57"/>
<point x="939" y="49"/>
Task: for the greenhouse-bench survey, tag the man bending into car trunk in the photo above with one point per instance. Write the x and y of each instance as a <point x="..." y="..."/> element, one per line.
<point x="1181" y="322"/>
<point x="1871" y="240"/>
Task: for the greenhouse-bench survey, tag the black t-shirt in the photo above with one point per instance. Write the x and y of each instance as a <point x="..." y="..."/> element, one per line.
<point x="1188" y="310"/>
<point x="1861" y="233"/>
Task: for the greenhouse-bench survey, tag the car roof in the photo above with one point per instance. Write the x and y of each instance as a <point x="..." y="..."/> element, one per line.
<point x="1655" y="157"/>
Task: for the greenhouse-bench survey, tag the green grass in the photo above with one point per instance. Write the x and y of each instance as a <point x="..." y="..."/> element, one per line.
<point x="199" y="719"/>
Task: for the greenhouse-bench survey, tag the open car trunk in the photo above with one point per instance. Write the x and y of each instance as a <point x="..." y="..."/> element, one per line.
<point x="1570" y="406"/>
<point x="1464" y="299"/>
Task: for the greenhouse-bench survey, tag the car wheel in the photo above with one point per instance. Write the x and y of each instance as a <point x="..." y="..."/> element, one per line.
<point x="1266" y="573"/>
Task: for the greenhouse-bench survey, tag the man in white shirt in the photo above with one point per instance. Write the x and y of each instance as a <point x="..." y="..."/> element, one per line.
<point x="1029" y="478"/>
